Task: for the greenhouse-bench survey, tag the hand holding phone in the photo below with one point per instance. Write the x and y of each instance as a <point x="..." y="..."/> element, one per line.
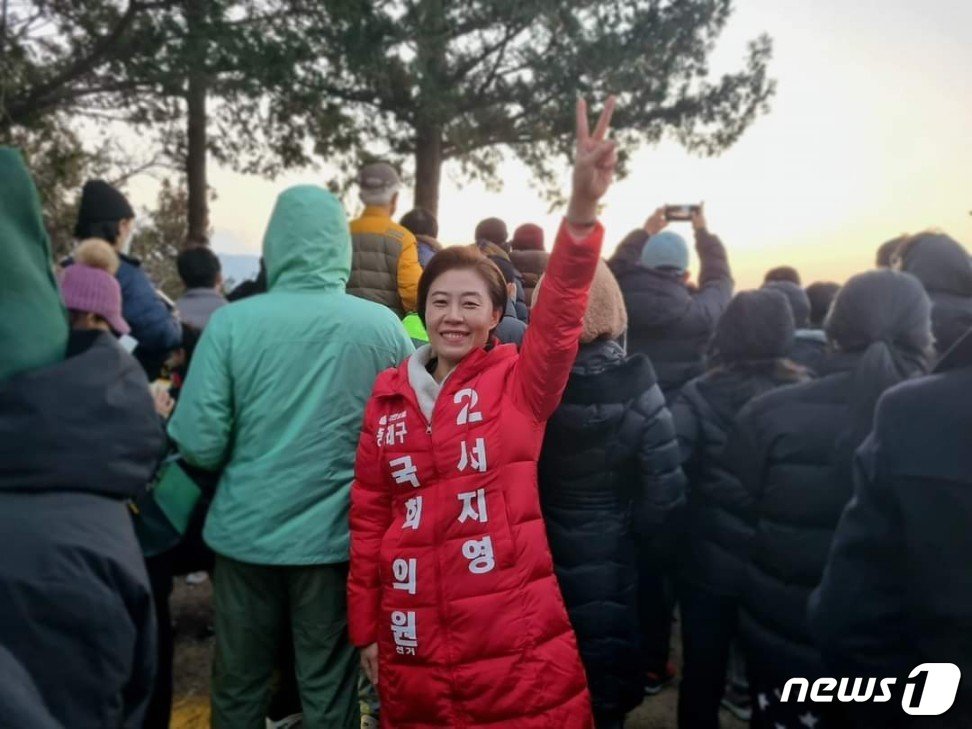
<point x="681" y="213"/>
<point x="656" y="222"/>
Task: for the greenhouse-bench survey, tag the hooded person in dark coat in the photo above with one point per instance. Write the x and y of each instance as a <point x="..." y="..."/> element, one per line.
<point x="609" y="462"/>
<point x="944" y="269"/>
<point x="896" y="590"/>
<point x="792" y="450"/>
<point x="670" y="321"/>
<point x="809" y="347"/>
<point x="747" y="359"/>
<point x="78" y="436"/>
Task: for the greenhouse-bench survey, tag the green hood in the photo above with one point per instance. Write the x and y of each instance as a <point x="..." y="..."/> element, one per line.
<point x="307" y="246"/>
<point x="33" y="328"/>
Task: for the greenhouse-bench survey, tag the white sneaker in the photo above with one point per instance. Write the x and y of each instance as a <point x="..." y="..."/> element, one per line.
<point x="294" y="721"/>
<point x="196" y="578"/>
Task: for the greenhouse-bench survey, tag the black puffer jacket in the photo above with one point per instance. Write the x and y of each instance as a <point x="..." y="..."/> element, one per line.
<point x="718" y="529"/>
<point x="76" y="439"/>
<point x="896" y="592"/>
<point x="609" y="456"/>
<point x="944" y="269"/>
<point x="783" y="449"/>
<point x="809" y="349"/>
<point x="786" y="449"/>
<point x="667" y="320"/>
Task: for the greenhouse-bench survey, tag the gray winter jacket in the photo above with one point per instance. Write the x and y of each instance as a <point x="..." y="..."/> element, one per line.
<point x="76" y="439"/>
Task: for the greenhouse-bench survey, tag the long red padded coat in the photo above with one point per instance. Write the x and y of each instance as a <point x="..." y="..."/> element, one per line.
<point x="451" y="572"/>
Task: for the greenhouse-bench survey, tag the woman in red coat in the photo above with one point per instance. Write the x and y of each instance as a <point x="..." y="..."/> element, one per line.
<point x="452" y="595"/>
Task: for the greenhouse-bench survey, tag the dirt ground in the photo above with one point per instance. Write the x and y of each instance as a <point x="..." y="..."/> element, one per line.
<point x="192" y="615"/>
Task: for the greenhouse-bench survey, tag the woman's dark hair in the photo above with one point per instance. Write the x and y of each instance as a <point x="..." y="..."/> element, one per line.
<point x="754" y="335"/>
<point x="939" y="261"/>
<point x="462" y="258"/>
<point x="782" y="273"/>
<point x="796" y="298"/>
<point x="884" y="317"/>
<point x="106" y="230"/>
<point x="198" y="267"/>
<point x="420" y="221"/>
<point x="756" y="326"/>
<point x="887" y="251"/>
<point x="75" y="317"/>
<point x="821" y="295"/>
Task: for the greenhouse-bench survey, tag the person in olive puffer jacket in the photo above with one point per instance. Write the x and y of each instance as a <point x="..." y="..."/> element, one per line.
<point x="792" y="451"/>
<point x="747" y="358"/>
<point x="671" y="321"/>
<point x="609" y="459"/>
<point x="385" y="266"/>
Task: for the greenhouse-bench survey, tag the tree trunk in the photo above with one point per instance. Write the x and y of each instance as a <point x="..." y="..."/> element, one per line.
<point x="431" y="62"/>
<point x="198" y="191"/>
<point x="428" y="168"/>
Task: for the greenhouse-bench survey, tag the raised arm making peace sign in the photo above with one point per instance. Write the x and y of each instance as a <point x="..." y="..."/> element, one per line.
<point x="594" y="162"/>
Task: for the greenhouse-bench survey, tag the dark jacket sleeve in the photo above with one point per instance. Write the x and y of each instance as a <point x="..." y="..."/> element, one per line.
<point x="522" y="306"/>
<point x="138" y="691"/>
<point x="660" y="501"/>
<point x="153" y="325"/>
<point x="687" y="428"/>
<point x="745" y="461"/>
<point x="628" y="252"/>
<point x="857" y="613"/>
<point x="715" y="278"/>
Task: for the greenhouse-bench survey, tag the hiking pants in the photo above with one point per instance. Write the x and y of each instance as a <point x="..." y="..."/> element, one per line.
<point x="252" y="604"/>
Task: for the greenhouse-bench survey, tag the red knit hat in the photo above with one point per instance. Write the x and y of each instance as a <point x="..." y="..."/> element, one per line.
<point x="528" y="237"/>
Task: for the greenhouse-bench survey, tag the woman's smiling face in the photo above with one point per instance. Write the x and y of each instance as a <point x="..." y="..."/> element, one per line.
<point x="459" y="314"/>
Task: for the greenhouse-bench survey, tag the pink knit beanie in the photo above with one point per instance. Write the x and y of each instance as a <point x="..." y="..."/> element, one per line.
<point x="93" y="291"/>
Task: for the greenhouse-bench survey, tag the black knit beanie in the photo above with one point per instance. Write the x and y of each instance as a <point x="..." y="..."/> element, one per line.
<point x="797" y="297"/>
<point x="101" y="203"/>
<point x="757" y="325"/>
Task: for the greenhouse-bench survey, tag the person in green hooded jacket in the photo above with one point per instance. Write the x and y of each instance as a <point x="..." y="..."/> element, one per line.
<point x="274" y="399"/>
<point x="34" y="327"/>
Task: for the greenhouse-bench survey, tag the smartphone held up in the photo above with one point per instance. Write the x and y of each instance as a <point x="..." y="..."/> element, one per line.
<point x="681" y="213"/>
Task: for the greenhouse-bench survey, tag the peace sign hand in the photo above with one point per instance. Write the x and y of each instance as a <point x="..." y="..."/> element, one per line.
<point x="594" y="163"/>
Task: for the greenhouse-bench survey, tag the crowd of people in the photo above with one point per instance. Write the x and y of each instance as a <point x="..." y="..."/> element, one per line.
<point x="477" y="485"/>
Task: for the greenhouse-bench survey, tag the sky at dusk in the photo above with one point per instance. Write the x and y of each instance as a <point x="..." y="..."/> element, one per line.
<point x="869" y="135"/>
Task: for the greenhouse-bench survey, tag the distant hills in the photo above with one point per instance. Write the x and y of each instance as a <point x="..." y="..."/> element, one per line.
<point x="238" y="267"/>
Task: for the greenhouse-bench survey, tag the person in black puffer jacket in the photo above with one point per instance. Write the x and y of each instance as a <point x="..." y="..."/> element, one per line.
<point x="78" y="437"/>
<point x="669" y="321"/>
<point x="609" y="467"/>
<point x="896" y="591"/>
<point x="944" y="269"/>
<point x="792" y="451"/>
<point x="746" y="359"/>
